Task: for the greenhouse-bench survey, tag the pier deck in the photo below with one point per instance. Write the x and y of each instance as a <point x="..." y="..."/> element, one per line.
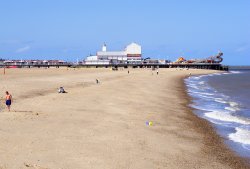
<point x="213" y="66"/>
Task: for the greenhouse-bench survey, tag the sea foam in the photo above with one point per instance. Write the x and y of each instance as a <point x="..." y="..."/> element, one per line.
<point x="227" y="117"/>
<point x="242" y="135"/>
<point x="223" y="107"/>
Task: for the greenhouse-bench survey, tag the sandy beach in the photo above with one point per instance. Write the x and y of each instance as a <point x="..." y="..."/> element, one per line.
<point x="103" y="126"/>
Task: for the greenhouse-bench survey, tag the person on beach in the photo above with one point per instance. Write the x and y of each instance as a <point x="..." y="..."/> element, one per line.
<point x="157" y="71"/>
<point x="8" y="99"/>
<point x="61" y="90"/>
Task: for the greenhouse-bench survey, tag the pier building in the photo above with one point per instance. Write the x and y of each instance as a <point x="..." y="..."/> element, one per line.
<point x="132" y="54"/>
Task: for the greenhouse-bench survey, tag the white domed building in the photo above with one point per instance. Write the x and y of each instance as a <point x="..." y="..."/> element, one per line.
<point x="131" y="54"/>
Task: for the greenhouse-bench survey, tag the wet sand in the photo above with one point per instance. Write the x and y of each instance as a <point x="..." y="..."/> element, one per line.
<point x="104" y="125"/>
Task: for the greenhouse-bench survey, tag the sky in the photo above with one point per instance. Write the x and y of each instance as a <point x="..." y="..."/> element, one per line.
<point x="166" y="29"/>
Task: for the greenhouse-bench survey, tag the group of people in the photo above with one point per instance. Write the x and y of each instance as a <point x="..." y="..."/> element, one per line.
<point x="8" y="97"/>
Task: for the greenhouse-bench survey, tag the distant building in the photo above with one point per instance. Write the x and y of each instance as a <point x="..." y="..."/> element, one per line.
<point x="1" y="61"/>
<point x="134" y="53"/>
<point x="131" y="54"/>
<point x="33" y="62"/>
<point x="93" y="60"/>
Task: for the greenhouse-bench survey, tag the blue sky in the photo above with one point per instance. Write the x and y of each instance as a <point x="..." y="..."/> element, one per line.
<point x="166" y="29"/>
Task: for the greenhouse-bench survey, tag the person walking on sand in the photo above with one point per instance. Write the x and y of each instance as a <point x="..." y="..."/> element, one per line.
<point x="8" y="99"/>
<point x="97" y="81"/>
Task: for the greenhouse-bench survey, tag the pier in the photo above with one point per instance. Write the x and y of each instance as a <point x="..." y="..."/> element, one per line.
<point x="157" y="65"/>
<point x="122" y="65"/>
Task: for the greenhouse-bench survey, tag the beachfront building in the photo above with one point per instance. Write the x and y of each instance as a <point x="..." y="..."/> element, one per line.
<point x="131" y="54"/>
<point x="34" y="62"/>
<point x="114" y="57"/>
<point x="1" y="61"/>
<point x="93" y="60"/>
<point x="134" y="53"/>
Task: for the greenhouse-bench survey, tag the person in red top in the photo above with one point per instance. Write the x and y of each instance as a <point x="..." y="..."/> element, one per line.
<point x="8" y="99"/>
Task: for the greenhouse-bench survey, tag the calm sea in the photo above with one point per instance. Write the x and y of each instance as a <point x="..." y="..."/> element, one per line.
<point x="224" y="100"/>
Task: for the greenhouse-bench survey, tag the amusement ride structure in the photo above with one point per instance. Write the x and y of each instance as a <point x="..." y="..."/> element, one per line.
<point x="212" y="59"/>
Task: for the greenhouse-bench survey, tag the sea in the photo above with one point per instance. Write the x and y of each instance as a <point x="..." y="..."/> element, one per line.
<point x="224" y="100"/>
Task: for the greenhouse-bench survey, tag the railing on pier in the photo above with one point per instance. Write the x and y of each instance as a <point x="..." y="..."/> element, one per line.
<point x="214" y="66"/>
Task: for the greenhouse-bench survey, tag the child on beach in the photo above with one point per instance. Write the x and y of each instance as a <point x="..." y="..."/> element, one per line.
<point x="8" y="99"/>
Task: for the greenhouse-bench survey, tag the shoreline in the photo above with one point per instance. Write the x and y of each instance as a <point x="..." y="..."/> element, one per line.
<point x="213" y="142"/>
<point x="103" y="126"/>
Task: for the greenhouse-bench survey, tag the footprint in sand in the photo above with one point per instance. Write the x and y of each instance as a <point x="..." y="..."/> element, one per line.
<point x="33" y="166"/>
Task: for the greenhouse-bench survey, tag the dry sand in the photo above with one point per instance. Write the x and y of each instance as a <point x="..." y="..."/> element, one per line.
<point x="104" y="126"/>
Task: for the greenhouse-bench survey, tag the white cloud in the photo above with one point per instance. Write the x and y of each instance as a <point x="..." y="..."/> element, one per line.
<point x="243" y="48"/>
<point x="23" y="49"/>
